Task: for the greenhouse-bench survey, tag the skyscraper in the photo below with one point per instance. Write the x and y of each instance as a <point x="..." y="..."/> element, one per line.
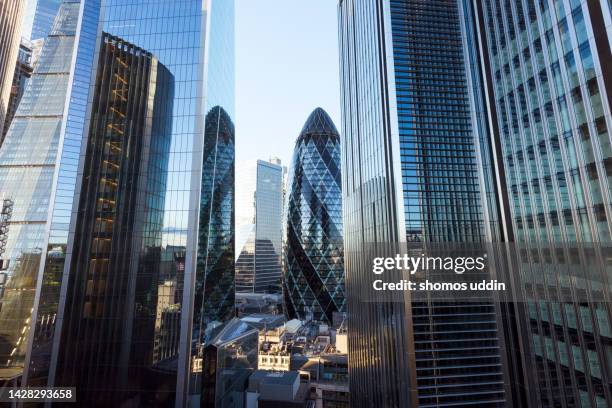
<point x="548" y="65"/>
<point x="23" y="71"/>
<point x="194" y="41"/>
<point x="28" y="162"/>
<point x="258" y="259"/>
<point x="417" y="170"/>
<point x="43" y="18"/>
<point x="314" y="258"/>
<point x="11" y="18"/>
<point x="109" y="317"/>
<point x="215" y="290"/>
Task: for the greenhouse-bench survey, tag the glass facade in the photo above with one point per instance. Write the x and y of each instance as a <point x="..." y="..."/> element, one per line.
<point x="258" y="262"/>
<point x="228" y="361"/>
<point x="550" y="99"/>
<point x="28" y="159"/>
<point x="553" y="117"/>
<point x="23" y="71"/>
<point x="214" y="297"/>
<point x="11" y="17"/>
<point x="245" y="261"/>
<point x="314" y="253"/>
<point x="79" y="56"/>
<point x="184" y="281"/>
<point x="109" y="318"/>
<point x="416" y="169"/>
<point x="268" y="225"/>
<point x="43" y="18"/>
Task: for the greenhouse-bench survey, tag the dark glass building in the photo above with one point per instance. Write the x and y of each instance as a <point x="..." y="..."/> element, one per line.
<point x="313" y="256"/>
<point x="548" y="65"/>
<point x="417" y="170"/>
<point x="229" y="358"/>
<point x="111" y="295"/>
<point x="259" y="227"/>
<point x="214" y="297"/>
<point x="174" y="285"/>
<point x="29" y="158"/>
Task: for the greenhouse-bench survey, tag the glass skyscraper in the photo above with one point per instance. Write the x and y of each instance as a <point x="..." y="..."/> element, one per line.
<point x="313" y="279"/>
<point x="258" y="259"/>
<point x="214" y="295"/>
<point x="11" y="18"/>
<point x="112" y="298"/>
<point x="43" y="18"/>
<point x="416" y="170"/>
<point x="548" y="64"/>
<point x="23" y="71"/>
<point x="181" y="269"/>
<point x="28" y="162"/>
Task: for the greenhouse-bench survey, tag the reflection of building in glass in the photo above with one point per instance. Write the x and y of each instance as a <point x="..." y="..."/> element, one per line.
<point x="549" y="64"/>
<point x="43" y="18"/>
<point x="27" y="164"/>
<point x="313" y="264"/>
<point x="79" y="58"/>
<point x="228" y="360"/>
<point x="168" y="313"/>
<point x="214" y="299"/>
<point x="417" y="168"/>
<point x="166" y="333"/>
<point x="249" y="303"/>
<point x="11" y="18"/>
<point x="112" y="297"/>
<point x="258" y="261"/>
<point x="23" y="71"/>
<point x="15" y="313"/>
<point x="194" y="41"/>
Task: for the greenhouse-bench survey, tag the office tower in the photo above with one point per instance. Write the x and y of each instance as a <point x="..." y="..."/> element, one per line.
<point x="112" y="294"/>
<point x="194" y="41"/>
<point x="215" y="292"/>
<point x="28" y="159"/>
<point x="23" y="71"/>
<point x="548" y="65"/>
<point x="43" y="18"/>
<point x="11" y="19"/>
<point x="313" y="256"/>
<point x="260" y="194"/>
<point x="416" y="171"/>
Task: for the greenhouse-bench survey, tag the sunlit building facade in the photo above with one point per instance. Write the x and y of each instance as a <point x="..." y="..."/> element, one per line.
<point x="258" y="259"/>
<point x="313" y="275"/>
<point x="549" y="92"/>
<point x="417" y="169"/>
<point x="109" y="317"/>
<point x="23" y="71"/>
<point x="44" y="15"/>
<point x="28" y="163"/>
<point x="188" y="234"/>
<point x="11" y="19"/>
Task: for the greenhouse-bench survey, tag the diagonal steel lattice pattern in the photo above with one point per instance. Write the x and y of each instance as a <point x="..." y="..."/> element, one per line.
<point x="314" y="265"/>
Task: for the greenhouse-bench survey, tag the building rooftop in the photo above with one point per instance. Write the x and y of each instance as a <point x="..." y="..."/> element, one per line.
<point x="319" y="122"/>
<point x="275" y="377"/>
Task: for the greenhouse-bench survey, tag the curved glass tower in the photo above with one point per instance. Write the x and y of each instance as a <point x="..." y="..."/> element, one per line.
<point x="314" y="253"/>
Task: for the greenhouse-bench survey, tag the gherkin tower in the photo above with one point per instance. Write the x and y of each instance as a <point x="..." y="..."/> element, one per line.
<point x="314" y="253"/>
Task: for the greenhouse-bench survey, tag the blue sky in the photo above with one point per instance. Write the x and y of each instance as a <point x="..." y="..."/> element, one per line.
<point x="286" y="65"/>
